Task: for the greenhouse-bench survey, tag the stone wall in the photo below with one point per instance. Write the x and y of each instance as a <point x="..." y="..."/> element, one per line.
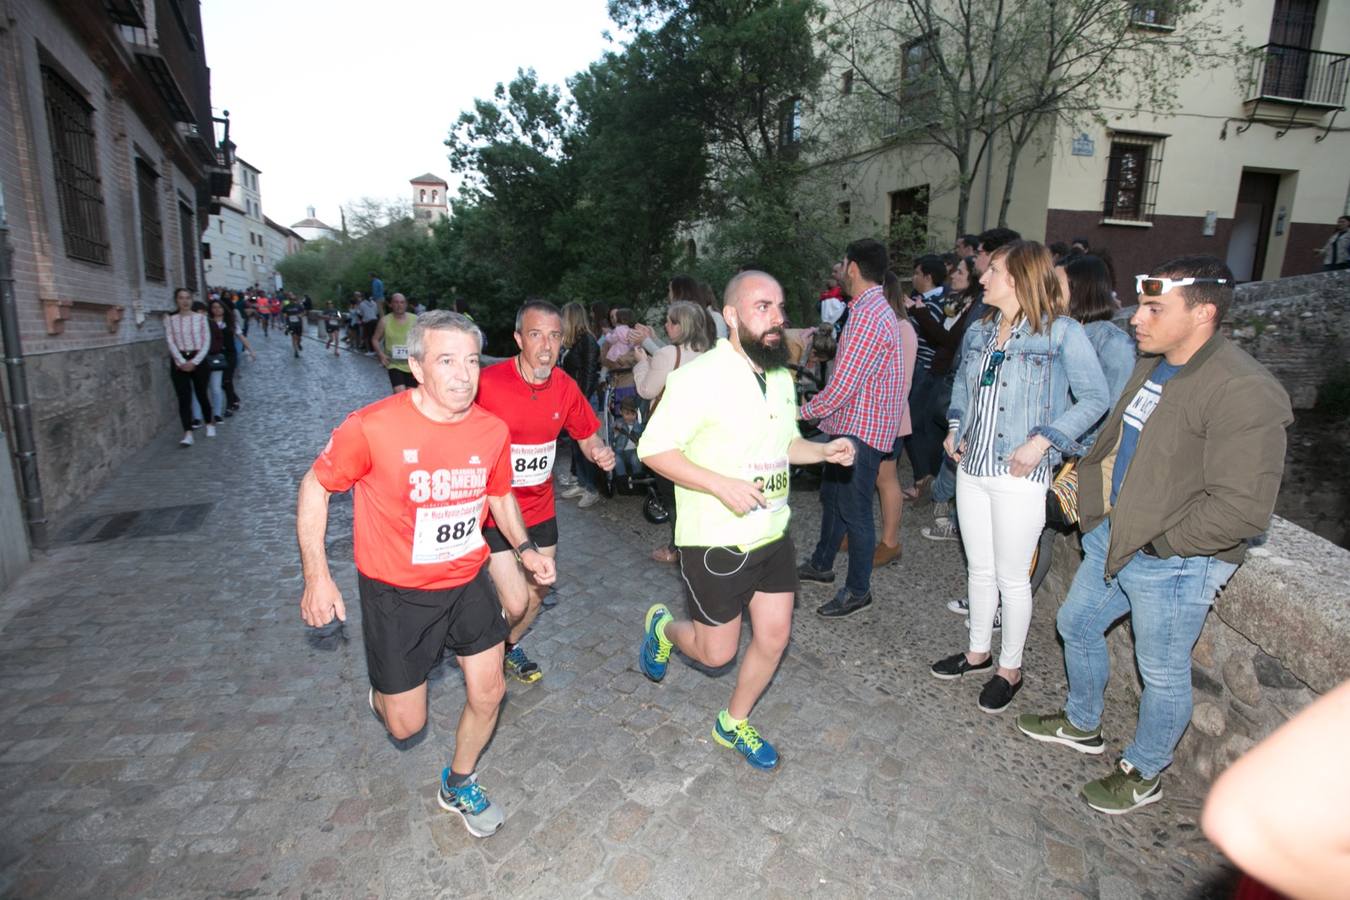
<point x="92" y="409"/>
<point x="1278" y="637"/>
<point x="1298" y="327"/>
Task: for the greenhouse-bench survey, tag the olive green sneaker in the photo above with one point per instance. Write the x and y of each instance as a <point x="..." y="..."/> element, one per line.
<point x="1057" y="729"/>
<point x="1122" y="791"/>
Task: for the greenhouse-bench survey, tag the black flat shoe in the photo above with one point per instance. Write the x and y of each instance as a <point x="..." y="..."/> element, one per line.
<point x="844" y="604"/>
<point x="956" y="665"/>
<point x="998" y="693"/>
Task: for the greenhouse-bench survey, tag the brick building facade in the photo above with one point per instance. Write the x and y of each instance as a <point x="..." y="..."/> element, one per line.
<point x="108" y="165"/>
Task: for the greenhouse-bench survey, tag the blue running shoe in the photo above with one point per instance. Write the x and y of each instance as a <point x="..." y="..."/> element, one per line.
<point x="521" y="667"/>
<point x="469" y="802"/>
<point x="745" y="740"/>
<point x="655" y="652"/>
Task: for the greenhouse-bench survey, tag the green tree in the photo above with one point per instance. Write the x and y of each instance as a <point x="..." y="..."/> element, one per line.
<point x="742" y="71"/>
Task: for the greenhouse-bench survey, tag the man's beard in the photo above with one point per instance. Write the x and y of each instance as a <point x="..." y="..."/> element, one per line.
<point x="761" y="354"/>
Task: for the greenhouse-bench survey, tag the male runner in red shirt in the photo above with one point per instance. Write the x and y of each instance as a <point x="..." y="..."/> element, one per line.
<point x="426" y="465"/>
<point x="537" y="401"/>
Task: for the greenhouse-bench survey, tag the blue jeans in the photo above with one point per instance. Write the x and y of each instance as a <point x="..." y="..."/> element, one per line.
<point x="586" y="471"/>
<point x="944" y="486"/>
<point x="1167" y="601"/>
<point x="846" y="495"/>
<point x="626" y="463"/>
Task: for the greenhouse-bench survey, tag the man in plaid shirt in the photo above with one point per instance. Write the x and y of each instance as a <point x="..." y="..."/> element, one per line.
<point x="860" y="402"/>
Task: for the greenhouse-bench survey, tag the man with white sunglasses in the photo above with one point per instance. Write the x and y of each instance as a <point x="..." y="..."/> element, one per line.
<point x="1183" y="475"/>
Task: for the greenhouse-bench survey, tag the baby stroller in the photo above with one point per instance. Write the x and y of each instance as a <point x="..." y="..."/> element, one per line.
<point x="642" y="481"/>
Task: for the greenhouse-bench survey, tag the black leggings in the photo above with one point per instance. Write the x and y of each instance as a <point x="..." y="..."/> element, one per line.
<point x="184" y="383"/>
<point x="227" y="382"/>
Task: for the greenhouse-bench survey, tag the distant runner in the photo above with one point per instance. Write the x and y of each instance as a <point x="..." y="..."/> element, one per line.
<point x="391" y="343"/>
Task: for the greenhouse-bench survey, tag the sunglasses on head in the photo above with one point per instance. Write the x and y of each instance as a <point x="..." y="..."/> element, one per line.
<point x="1149" y="286"/>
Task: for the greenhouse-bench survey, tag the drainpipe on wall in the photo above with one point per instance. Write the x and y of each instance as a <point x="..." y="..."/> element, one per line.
<point x="21" y="411"/>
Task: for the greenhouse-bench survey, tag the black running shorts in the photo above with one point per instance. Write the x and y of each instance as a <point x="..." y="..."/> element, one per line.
<point x="399" y="377"/>
<point x="405" y="628"/>
<point x="545" y="534"/>
<point x="721" y="580"/>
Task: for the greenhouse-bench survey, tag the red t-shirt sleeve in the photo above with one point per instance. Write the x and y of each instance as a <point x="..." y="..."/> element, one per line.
<point x="499" y="477"/>
<point x="346" y="459"/>
<point x="580" y="419"/>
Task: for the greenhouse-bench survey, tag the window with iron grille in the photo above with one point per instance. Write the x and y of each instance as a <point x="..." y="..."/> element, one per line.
<point x="188" y="238"/>
<point x="152" y="227"/>
<point x="1154" y="14"/>
<point x="79" y="192"/>
<point x="1132" y="171"/>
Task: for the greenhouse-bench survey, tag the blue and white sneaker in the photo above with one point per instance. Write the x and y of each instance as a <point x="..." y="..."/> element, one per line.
<point x="655" y="651"/>
<point x="480" y="816"/>
<point x="521" y="667"/>
<point x="745" y="740"/>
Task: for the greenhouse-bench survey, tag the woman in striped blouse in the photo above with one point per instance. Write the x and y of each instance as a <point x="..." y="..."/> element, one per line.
<point x="188" y="335"/>
<point x="1028" y="387"/>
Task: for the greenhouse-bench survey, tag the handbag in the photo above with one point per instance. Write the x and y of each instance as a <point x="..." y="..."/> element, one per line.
<point x="216" y="362"/>
<point x="1061" y="502"/>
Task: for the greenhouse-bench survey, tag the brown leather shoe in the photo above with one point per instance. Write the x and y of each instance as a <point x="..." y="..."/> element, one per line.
<point x="886" y="554"/>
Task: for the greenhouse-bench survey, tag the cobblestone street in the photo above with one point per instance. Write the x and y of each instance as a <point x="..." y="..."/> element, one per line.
<point x="169" y="728"/>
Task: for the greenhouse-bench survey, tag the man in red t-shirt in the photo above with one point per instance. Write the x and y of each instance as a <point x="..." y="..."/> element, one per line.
<point x="426" y="465"/>
<point x="537" y="401"/>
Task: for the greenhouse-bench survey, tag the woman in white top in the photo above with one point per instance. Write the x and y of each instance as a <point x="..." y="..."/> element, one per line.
<point x="188" y="335"/>
<point x="686" y="327"/>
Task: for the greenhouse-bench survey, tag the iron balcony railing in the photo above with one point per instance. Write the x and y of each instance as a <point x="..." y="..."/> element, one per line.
<point x="1300" y="75"/>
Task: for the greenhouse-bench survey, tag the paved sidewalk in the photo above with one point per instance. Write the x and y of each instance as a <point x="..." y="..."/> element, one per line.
<point x="169" y="728"/>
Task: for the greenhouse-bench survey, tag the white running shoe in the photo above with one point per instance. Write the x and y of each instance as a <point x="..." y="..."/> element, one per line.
<point x="187" y="439"/>
<point x="210" y="431"/>
<point x="589" y="499"/>
<point x="960" y="606"/>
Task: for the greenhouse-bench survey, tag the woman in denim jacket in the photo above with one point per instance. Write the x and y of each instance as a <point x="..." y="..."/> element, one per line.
<point x="1028" y="387"/>
<point x="1087" y="285"/>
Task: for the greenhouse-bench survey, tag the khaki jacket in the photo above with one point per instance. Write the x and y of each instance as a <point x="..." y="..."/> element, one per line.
<point x="1207" y="468"/>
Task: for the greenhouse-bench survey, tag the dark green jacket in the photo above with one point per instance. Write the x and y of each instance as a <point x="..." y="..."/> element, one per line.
<point x="1207" y="468"/>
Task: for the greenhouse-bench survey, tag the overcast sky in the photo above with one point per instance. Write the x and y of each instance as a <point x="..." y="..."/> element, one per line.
<point x="340" y="99"/>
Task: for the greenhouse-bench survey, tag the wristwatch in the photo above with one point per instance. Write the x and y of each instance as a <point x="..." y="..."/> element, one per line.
<point x="524" y="545"/>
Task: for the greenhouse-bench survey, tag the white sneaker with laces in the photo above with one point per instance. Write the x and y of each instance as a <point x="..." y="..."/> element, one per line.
<point x="998" y="619"/>
<point x="942" y="529"/>
<point x="960" y="606"/>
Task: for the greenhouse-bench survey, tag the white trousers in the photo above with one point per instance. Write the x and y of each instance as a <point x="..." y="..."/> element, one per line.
<point x="1001" y="521"/>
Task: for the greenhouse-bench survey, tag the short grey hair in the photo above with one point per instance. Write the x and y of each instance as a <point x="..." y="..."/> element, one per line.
<point x="440" y="320"/>
<point x="542" y="305"/>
